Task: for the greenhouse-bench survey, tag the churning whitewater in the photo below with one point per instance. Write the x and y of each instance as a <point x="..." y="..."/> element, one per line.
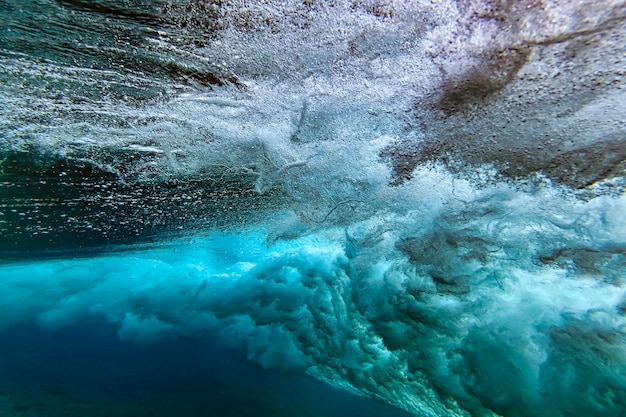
<point x="421" y="202"/>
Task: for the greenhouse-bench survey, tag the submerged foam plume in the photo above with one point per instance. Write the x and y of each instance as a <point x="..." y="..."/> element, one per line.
<point x="417" y="201"/>
<point x="489" y="299"/>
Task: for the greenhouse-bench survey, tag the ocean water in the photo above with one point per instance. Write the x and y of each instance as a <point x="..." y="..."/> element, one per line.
<point x="312" y="208"/>
<point x="86" y="370"/>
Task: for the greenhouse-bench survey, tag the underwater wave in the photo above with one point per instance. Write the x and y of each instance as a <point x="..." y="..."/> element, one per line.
<point x="421" y="202"/>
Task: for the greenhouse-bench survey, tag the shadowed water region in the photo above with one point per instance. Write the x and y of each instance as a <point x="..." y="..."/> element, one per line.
<point x="85" y="370"/>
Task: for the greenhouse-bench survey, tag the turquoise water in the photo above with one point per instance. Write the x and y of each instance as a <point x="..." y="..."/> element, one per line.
<point x="312" y="208"/>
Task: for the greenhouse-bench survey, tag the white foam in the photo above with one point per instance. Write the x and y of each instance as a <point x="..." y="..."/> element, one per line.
<point x="448" y="299"/>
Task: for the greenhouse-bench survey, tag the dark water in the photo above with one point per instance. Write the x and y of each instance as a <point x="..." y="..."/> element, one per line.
<point x="85" y="370"/>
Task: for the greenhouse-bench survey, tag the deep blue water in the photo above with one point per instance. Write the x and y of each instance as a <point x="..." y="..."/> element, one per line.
<point x="85" y="370"/>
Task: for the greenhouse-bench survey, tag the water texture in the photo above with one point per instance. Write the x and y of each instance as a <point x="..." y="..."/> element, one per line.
<point x="312" y="208"/>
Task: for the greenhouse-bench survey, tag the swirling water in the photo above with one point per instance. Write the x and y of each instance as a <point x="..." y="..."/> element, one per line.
<point x="243" y="208"/>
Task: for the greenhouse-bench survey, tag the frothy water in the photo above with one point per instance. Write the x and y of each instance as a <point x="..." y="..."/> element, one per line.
<point x="265" y="208"/>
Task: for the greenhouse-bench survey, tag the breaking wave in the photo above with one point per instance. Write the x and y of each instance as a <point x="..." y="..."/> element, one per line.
<point x="420" y="202"/>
